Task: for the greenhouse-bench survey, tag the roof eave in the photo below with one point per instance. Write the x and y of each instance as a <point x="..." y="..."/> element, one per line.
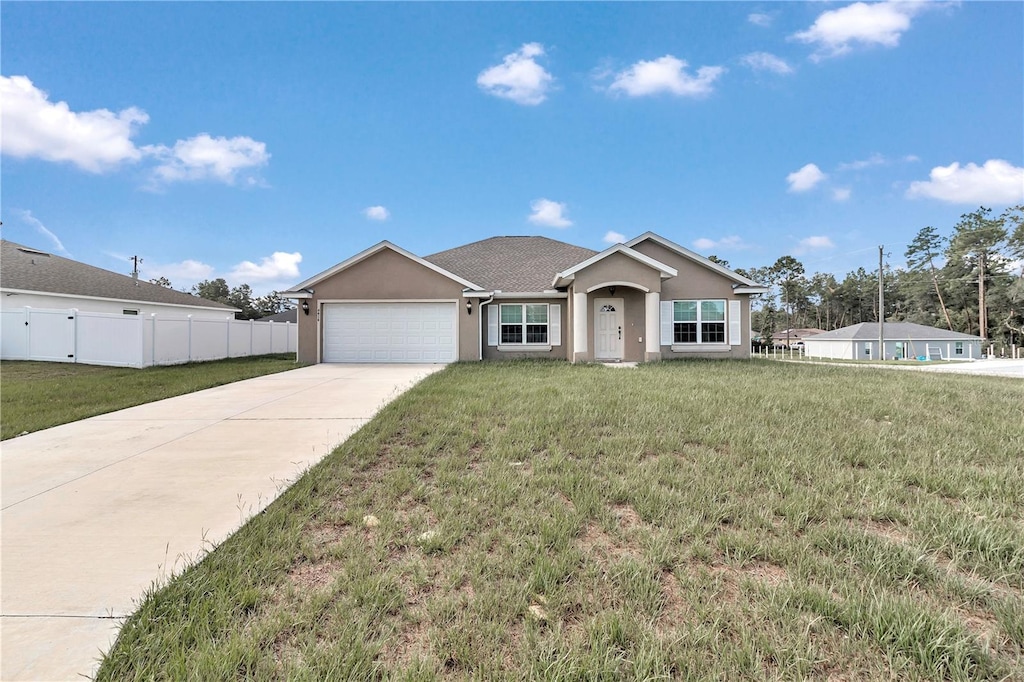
<point x="694" y="256"/>
<point x="666" y="271"/>
<point x="363" y="255"/>
<point x="38" y="292"/>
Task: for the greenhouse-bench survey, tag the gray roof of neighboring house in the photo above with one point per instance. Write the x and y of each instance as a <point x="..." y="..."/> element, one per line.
<point x="894" y="331"/>
<point x="286" y="316"/>
<point x="511" y="263"/>
<point x="28" y="269"/>
<point x="797" y="332"/>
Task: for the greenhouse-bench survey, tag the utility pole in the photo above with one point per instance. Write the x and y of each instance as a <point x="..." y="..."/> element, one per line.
<point x="135" y="267"/>
<point x="881" y="307"/>
<point x="982" y="313"/>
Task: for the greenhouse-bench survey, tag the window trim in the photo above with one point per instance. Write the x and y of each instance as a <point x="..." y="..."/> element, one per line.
<point x="700" y="322"/>
<point x="512" y="345"/>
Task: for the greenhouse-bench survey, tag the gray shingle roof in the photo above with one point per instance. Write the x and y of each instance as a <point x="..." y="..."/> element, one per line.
<point x="28" y="269"/>
<point x="286" y="316"/>
<point x="894" y="331"/>
<point x="511" y="263"/>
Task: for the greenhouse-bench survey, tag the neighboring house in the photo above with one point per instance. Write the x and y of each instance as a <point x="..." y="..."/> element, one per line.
<point x="902" y="340"/>
<point x="788" y="338"/>
<point x="513" y="297"/>
<point x="37" y="279"/>
<point x="285" y="316"/>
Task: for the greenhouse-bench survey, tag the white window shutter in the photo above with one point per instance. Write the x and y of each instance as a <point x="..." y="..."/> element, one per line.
<point x="735" y="323"/>
<point x="492" y="325"/>
<point x="667" y="311"/>
<point x="555" y="324"/>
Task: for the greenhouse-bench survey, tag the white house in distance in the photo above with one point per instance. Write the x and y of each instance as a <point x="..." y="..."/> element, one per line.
<point x="33" y="278"/>
<point x="903" y="340"/>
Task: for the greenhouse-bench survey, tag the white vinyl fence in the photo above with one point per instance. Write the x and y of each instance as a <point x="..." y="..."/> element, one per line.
<point x="136" y="340"/>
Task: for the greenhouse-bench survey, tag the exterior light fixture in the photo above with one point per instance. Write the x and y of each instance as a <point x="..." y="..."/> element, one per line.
<point x="305" y="307"/>
<point x="469" y="307"/>
<point x="611" y="291"/>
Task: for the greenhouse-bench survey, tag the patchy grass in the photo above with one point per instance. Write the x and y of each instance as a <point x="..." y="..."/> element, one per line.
<point x="905" y="362"/>
<point x="691" y="520"/>
<point x="38" y="395"/>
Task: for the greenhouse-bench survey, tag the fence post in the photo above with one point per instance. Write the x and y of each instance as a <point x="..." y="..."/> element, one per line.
<point x="252" y="330"/>
<point x="190" y="338"/>
<point x="227" y="353"/>
<point x="141" y="326"/>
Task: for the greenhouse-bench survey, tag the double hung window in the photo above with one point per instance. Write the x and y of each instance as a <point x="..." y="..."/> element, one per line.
<point x="698" y="321"/>
<point x="524" y="323"/>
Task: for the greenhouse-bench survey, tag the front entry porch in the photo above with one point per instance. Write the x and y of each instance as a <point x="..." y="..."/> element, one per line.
<point x="616" y="322"/>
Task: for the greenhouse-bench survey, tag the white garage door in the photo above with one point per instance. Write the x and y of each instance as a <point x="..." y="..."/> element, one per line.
<point x="389" y="332"/>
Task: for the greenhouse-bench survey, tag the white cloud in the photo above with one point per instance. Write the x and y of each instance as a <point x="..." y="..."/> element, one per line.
<point x="377" y="213"/>
<point x="100" y="140"/>
<point x="33" y="126"/>
<point x="995" y="182"/>
<point x="549" y="213"/>
<point x="760" y="19"/>
<point x="41" y="229"/>
<point x="612" y="237"/>
<point x="731" y="243"/>
<point x="518" y="77"/>
<point x="835" y="32"/>
<point x="183" y="274"/>
<point x="841" y="193"/>
<point x="873" y="160"/>
<point x="765" y="61"/>
<point x="805" y="178"/>
<point x="665" y="75"/>
<point x="279" y="266"/>
<point x="813" y="243"/>
<point x="208" y="158"/>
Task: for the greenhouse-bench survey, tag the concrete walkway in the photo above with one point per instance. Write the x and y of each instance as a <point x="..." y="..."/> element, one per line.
<point x="95" y="511"/>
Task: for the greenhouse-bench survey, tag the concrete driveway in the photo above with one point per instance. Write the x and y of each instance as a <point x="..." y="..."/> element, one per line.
<point x="95" y="511"/>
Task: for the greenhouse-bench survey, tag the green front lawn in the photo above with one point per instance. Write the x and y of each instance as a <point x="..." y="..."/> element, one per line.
<point x="689" y="520"/>
<point x="38" y="395"/>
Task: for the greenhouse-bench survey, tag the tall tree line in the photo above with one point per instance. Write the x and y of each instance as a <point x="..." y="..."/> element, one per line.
<point x="969" y="280"/>
<point x="241" y="297"/>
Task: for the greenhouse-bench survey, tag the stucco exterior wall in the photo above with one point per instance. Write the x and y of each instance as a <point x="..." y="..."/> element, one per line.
<point x="697" y="282"/>
<point x="617" y="268"/>
<point x="558" y="352"/>
<point x="386" y="276"/>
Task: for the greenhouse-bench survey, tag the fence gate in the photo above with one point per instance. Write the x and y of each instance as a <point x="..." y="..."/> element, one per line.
<point x="51" y="335"/>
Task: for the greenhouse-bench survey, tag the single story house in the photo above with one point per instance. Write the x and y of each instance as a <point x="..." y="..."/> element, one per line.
<point x="788" y="338"/>
<point x="514" y="297"/>
<point x="33" y="278"/>
<point x="902" y="340"/>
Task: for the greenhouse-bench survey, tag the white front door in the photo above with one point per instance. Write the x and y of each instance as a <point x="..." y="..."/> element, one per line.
<point x="607" y="328"/>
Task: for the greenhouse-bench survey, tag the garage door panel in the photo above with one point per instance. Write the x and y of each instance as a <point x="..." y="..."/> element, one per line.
<point x="389" y="332"/>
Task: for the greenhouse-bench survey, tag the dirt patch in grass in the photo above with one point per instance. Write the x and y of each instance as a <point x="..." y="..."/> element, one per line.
<point x="601" y="546"/>
<point x="313" y="576"/>
<point x="887" y="530"/>
<point x="626" y="516"/>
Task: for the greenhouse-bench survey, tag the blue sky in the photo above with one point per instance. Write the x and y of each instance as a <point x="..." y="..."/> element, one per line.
<point x="264" y="143"/>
